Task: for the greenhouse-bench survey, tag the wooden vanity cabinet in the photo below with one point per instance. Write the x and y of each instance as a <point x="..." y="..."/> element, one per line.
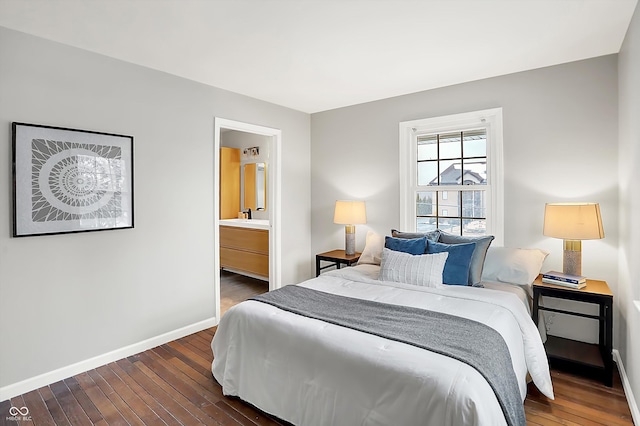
<point x="245" y="250"/>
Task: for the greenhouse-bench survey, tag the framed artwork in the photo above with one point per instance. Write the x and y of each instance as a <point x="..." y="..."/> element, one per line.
<point x="68" y="180"/>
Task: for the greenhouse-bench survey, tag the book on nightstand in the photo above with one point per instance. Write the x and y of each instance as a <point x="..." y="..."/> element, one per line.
<point x="567" y="278"/>
<point x="564" y="283"/>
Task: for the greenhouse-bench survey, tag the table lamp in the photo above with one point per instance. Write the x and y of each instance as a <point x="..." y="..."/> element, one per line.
<point x="573" y="222"/>
<point x="350" y="213"/>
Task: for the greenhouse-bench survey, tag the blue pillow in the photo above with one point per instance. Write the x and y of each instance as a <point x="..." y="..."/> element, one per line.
<point x="477" y="260"/>
<point x="412" y="246"/>
<point x="456" y="269"/>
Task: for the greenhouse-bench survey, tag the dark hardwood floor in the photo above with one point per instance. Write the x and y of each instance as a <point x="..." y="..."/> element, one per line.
<point x="235" y="288"/>
<point x="172" y="384"/>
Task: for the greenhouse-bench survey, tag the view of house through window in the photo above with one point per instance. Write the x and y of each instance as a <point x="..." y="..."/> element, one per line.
<point x="451" y="174"/>
<point x="452" y="182"/>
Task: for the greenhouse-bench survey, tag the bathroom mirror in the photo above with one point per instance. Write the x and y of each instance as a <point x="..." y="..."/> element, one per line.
<point x="255" y="186"/>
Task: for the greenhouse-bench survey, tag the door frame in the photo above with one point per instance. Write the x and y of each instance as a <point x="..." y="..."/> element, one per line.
<point x="273" y="200"/>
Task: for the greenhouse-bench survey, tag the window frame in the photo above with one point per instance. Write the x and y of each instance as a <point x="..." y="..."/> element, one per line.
<point x="489" y="119"/>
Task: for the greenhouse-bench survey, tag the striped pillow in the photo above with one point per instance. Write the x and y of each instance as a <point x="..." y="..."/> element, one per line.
<point x="423" y="270"/>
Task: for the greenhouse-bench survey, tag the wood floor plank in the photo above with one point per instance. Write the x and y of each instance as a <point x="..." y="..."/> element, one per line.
<point x="582" y="382"/>
<point x="565" y="402"/>
<point x="85" y="402"/>
<point x="18" y="403"/>
<point x="59" y="417"/>
<point x="197" y="411"/>
<point x="187" y="386"/>
<point x="201" y="344"/>
<point x="70" y="405"/>
<point x="107" y="409"/>
<point x="241" y="418"/>
<point x="105" y="406"/>
<point x="208" y="334"/>
<point x="550" y="411"/>
<point x="5" y="406"/>
<point x="205" y="371"/>
<point x="127" y="413"/>
<point x="543" y="421"/>
<point x="172" y="384"/>
<point x="195" y="347"/>
<point x="156" y="408"/>
<point x="252" y="413"/>
<point x="206" y="342"/>
<point x="167" y="373"/>
<point x="164" y="398"/>
<point x="201" y="360"/>
<point x="133" y="400"/>
<point x="205" y="381"/>
<point x="37" y="409"/>
<point x="595" y="400"/>
<point x="235" y="288"/>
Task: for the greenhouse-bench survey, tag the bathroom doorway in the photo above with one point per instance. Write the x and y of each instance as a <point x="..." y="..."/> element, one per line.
<point x="259" y="167"/>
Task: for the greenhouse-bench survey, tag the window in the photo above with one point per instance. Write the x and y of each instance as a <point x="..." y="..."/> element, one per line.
<point x="451" y="174"/>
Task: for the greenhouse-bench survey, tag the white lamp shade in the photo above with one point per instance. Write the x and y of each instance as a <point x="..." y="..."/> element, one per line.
<point x="350" y="213"/>
<point x="573" y="221"/>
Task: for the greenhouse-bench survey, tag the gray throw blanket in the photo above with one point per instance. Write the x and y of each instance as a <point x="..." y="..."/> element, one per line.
<point x="471" y="342"/>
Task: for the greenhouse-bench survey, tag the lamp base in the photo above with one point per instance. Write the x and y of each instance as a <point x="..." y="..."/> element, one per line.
<point x="350" y="240"/>
<point x="572" y="257"/>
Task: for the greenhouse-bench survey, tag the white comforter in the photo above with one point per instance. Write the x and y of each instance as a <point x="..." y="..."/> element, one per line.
<point x="309" y="372"/>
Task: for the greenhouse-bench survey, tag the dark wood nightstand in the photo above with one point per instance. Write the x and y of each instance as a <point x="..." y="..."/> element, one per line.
<point x="336" y="258"/>
<point x="594" y="360"/>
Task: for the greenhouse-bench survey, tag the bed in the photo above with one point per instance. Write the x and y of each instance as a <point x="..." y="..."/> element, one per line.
<point x="309" y="371"/>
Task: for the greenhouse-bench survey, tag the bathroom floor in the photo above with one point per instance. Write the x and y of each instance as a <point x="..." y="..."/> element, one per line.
<point x="235" y="288"/>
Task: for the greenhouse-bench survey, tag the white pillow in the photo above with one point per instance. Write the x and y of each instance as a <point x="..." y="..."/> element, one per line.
<point x="423" y="270"/>
<point x="513" y="265"/>
<point x="372" y="253"/>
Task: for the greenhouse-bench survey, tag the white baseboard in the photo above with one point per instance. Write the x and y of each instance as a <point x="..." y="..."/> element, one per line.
<point x="15" y="389"/>
<point x="635" y="412"/>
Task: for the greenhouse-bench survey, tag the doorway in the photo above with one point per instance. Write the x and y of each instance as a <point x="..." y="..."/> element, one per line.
<point x="273" y="186"/>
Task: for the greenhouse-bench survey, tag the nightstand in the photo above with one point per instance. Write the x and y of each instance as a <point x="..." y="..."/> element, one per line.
<point x="593" y="360"/>
<point x="336" y="258"/>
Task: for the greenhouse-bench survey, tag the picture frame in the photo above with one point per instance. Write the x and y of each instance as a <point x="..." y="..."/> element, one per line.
<point x="69" y="180"/>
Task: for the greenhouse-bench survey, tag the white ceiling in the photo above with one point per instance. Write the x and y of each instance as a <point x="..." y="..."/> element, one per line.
<point x="315" y="55"/>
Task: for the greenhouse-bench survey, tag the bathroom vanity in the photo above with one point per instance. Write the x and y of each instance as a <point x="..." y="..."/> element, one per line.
<point x="244" y="246"/>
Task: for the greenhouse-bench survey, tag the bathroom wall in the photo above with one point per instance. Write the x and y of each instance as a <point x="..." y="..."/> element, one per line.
<point x="242" y="140"/>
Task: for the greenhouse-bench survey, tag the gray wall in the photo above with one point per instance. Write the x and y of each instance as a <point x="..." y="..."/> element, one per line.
<point x="560" y="144"/>
<point x="629" y="173"/>
<point x="67" y="298"/>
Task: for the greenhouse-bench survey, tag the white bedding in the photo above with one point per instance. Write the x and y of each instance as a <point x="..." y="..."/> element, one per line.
<point x="309" y="372"/>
